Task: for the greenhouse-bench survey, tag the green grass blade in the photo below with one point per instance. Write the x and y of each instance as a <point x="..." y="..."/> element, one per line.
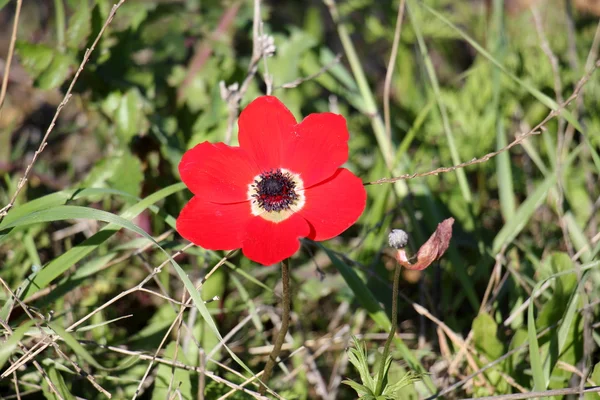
<point x="515" y="225"/>
<point x="547" y="101"/>
<point x="410" y="135"/>
<point x="199" y="303"/>
<point x="541" y="371"/>
<point x="57" y="199"/>
<point x="578" y="237"/>
<point x="385" y="144"/>
<point x="59" y="383"/>
<point x="539" y="382"/>
<point x="77" y="212"/>
<point x="567" y="320"/>
<point x="504" y="172"/>
<point x="460" y="173"/>
<point x="62" y="263"/>
<point x="74" y="344"/>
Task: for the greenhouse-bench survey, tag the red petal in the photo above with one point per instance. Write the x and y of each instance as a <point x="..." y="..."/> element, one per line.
<point x="214" y="226"/>
<point x="318" y="148"/>
<point x="218" y="172"/>
<point x="269" y="243"/>
<point x="263" y="125"/>
<point x="334" y="205"/>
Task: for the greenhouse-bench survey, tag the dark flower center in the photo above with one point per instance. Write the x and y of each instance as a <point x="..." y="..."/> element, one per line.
<point x="275" y="191"/>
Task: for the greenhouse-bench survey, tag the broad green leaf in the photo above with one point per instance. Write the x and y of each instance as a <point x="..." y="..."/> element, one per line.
<point x="485" y="337"/>
<point x="173" y="378"/>
<point x="129" y="176"/>
<point x="35" y="58"/>
<point x="129" y="115"/>
<point x="80" y="25"/>
<point x="56" y="73"/>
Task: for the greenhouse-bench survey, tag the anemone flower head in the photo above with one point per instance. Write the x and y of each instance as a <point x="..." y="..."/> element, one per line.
<point x="282" y="183"/>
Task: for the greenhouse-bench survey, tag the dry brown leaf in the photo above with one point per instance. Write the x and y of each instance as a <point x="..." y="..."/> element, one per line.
<point x="431" y="250"/>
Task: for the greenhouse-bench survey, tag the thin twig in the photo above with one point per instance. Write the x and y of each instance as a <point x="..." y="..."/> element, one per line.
<point x="536" y="130"/>
<point x="179" y="364"/>
<point x="62" y="104"/>
<point x="114" y="299"/>
<point x="11" y="50"/>
<point x="35" y="363"/>
<point x="299" y="81"/>
<point x="546" y="393"/>
<point x="77" y="368"/>
<point x="491" y="364"/>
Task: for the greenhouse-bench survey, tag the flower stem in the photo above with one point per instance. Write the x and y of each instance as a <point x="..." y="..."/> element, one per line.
<point x="388" y="342"/>
<point x="285" y="322"/>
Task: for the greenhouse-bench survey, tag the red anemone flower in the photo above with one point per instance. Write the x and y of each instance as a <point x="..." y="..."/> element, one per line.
<point x="282" y="183"/>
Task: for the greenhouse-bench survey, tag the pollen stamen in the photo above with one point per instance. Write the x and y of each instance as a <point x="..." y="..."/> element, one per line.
<point x="276" y="194"/>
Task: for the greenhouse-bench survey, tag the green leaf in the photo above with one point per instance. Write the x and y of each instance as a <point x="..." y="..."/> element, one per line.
<point x="357" y="355"/>
<point x="173" y="378"/>
<point x="129" y="115"/>
<point x="485" y="337"/>
<point x="361" y="390"/>
<point x="595" y="378"/>
<point x="56" y="73"/>
<point x="80" y="25"/>
<point x="129" y="176"/>
<point x="59" y="383"/>
<point x="3" y="3"/>
<point x="35" y="58"/>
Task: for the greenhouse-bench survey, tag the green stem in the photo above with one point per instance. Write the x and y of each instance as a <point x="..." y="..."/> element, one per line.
<point x="388" y="342"/>
<point x="285" y="322"/>
<point x="370" y="106"/>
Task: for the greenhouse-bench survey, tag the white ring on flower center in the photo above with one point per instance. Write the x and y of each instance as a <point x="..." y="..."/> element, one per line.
<point x="277" y="216"/>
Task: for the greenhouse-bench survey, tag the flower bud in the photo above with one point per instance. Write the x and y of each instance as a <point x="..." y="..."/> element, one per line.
<point x="398" y="238"/>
